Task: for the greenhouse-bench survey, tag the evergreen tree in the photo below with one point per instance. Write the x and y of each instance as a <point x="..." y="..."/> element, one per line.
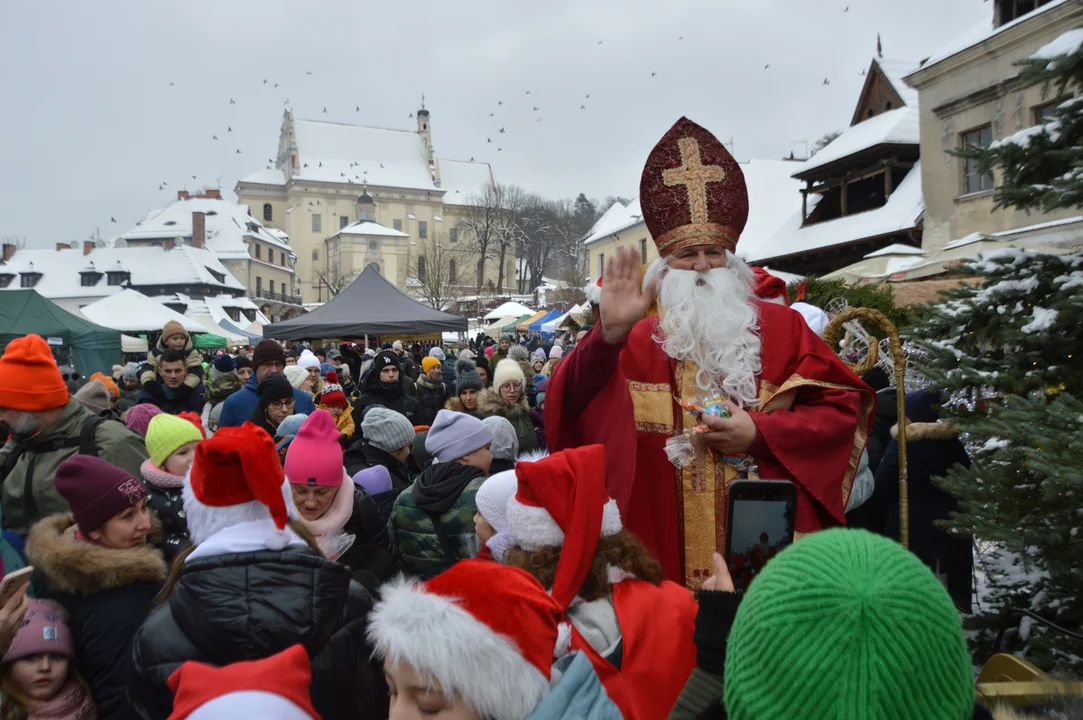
<point x="1042" y="166"/>
<point x="1009" y="353"/>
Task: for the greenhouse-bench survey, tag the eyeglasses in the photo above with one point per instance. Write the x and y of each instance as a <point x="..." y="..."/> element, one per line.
<point x="281" y="405"/>
<point x="512" y="386"/>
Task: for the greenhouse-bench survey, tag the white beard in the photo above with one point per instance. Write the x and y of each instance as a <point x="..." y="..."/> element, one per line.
<point x="710" y="319"/>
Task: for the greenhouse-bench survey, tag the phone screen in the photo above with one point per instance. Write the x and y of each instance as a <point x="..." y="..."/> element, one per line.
<point x="760" y="529"/>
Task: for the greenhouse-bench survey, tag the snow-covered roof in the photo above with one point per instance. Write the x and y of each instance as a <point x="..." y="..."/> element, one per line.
<point x="773" y="196"/>
<point x="1067" y="44"/>
<point x="460" y="180"/>
<point x="901" y="212"/>
<point x="895" y="70"/>
<point x="895" y="127"/>
<point x="266" y="176"/>
<point x="369" y="228"/>
<point x="513" y="309"/>
<point x="337" y="152"/>
<point x="215" y="306"/>
<point x="132" y="311"/>
<point x="897" y="249"/>
<point x="227" y="225"/>
<point x="616" y="219"/>
<point x="183" y="265"/>
<point x="983" y="31"/>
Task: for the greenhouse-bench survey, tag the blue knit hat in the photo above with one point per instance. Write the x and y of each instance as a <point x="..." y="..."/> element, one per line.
<point x="224" y="364"/>
<point x="326" y="368"/>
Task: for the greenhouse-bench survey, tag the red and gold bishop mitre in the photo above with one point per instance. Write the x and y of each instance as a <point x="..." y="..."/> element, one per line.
<point x="692" y="191"/>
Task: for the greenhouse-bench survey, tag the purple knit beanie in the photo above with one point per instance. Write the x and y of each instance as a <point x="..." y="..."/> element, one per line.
<point x="138" y="418"/>
<point x="44" y="630"/>
<point x="374" y="480"/>
<point x="96" y="490"/>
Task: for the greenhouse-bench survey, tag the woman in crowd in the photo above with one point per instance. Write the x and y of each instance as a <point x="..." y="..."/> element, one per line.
<point x="97" y="563"/>
<point x="311" y="365"/>
<point x="254" y="584"/>
<point x="555" y="356"/>
<point x="507" y="398"/>
<point x="478" y="642"/>
<point x="384" y="386"/>
<point x="482" y="365"/>
<point x="171" y="444"/>
<point x="345" y="522"/>
<point x="635" y="628"/>
<point x="276" y="403"/>
<point x="432" y="391"/>
<point x="467" y="386"/>
<point x="298" y="378"/>
<point x="39" y="679"/>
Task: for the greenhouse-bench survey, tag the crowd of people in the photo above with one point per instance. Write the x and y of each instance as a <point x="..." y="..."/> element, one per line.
<point x="521" y="529"/>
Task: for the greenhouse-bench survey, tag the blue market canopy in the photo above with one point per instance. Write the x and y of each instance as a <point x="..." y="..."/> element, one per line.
<point x="536" y="326"/>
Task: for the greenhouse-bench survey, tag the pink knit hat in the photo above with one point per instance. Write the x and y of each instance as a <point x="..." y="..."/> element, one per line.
<point x="44" y="630"/>
<point x="138" y="418"/>
<point x="315" y="457"/>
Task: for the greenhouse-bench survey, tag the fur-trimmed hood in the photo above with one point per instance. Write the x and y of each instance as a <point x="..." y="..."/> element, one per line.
<point x="916" y="432"/>
<point x="82" y="568"/>
<point x="490" y="403"/>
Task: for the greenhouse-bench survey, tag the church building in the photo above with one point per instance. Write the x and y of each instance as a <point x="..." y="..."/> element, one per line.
<point x="410" y="202"/>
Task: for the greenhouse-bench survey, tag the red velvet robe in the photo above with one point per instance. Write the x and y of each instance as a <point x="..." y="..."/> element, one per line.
<point x="812" y="424"/>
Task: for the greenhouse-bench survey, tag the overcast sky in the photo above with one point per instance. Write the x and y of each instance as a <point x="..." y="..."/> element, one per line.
<point x="91" y="124"/>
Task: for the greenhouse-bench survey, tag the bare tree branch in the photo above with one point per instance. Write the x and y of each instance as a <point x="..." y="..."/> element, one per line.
<point x="433" y="270"/>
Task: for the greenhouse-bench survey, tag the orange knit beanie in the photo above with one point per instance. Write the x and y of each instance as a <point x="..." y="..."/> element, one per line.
<point x="109" y="383"/>
<point x="29" y="378"/>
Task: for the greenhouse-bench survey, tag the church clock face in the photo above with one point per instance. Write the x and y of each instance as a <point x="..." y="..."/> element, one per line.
<point x="374" y="245"/>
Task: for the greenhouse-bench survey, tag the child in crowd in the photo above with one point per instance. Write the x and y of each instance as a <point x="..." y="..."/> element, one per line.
<point x="171" y="443"/>
<point x="38" y="678"/>
<point x="491" y="520"/>
<point x="174" y="337"/>
<point x="287" y="431"/>
<point x="333" y="399"/>
<point x="431" y="523"/>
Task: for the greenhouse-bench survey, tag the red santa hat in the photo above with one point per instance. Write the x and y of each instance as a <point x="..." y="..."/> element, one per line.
<point x="236" y="477"/>
<point x="561" y="501"/>
<point x="486" y="632"/>
<point x="770" y="288"/>
<point x="274" y="687"/>
<point x="333" y="395"/>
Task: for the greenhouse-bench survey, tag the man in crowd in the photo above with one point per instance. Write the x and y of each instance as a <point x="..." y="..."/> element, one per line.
<point x="405" y="361"/>
<point x="168" y="391"/>
<point x="784" y="405"/>
<point x="48" y="426"/>
<point x="502" y="351"/>
<point x="267" y="359"/>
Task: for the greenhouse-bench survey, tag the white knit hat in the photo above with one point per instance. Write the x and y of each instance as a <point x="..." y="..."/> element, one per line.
<point x="507" y="371"/>
<point x="296" y="375"/>
<point x="492" y="498"/>
<point x="308" y="360"/>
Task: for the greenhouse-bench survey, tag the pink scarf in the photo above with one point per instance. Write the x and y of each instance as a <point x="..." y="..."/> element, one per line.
<point x="327" y="529"/>
<point x="73" y="702"/>
<point x="160" y="478"/>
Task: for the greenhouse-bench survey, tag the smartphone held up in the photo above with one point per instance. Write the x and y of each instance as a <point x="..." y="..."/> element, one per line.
<point x="760" y="523"/>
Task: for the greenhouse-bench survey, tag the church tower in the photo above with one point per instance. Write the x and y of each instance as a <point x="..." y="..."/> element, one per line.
<point x="424" y="130"/>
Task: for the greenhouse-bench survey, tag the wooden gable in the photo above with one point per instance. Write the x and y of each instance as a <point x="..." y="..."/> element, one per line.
<point x="878" y="95"/>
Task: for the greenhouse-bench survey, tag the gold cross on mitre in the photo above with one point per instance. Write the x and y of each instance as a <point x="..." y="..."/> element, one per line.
<point x="694" y="175"/>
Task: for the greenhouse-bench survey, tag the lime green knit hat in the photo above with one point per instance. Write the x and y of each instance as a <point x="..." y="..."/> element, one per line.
<point x="847" y="625"/>
<point x="166" y="434"/>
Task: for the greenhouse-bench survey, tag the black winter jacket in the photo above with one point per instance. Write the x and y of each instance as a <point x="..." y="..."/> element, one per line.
<point x="399" y="401"/>
<point x="371" y="557"/>
<point x="250" y="605"/>
<point x="184" y="398"/>
<point x="430" y="399"/>
<point x="107" y="593"/>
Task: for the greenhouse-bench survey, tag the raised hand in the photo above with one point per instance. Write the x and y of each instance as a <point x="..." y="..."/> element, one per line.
<point x="623" y="303"/>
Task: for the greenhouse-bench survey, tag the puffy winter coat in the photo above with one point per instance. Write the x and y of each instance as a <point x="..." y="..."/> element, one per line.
<point x="174" y="402"/>
<point x="518" y="414"/>
<point x="371" y="557"/>
<point x="431" y="397"/>
<point x="167" y="505"/>
<point x="240" y="404"/>
<point x="28" y="493"/>
<point x="432" y="523"/>
<point x="250" y="605"/>
<point x="107" y="593"/>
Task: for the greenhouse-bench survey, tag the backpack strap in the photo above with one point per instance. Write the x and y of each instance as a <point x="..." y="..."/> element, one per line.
<point x="87" y="435"/>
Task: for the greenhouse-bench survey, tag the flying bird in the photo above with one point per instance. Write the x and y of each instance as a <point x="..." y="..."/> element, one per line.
<point x="588" y="96"/>
<point x="582" y="107"/>
<point x="325" y="110"/>
<point x="535" y="108"/>
<point x="489" y="140"/>
<point x="357" y="108"/>
<point x="527" y="92"/>
<point x="232" y="101"/>
<point x="471" y="158"/>
<point x="172" y="84"/>
<point x="112" y="219"/>
<point x="681" y="37"/>
<point x="499" y="102"/>
<point x="164" y="182"/>
<point x="600" y="42"/>
<point x="381" y="165"/>
<point x="308" y="72"/>
<point x="229" y="128"/>
<point x="653" y="74"/>
<point x="491" y="114"/>
<point x="499" y="149"/>
<point x="846" y="9"/>
<point x="193" y="177"/>
<point x="411" y="115"/>
<point x="826" y="81"/>
<point x="767" y="66"/>
<point x="501" y="131"/>
<point x="264" y="81"/>
<point x="161" y="188"/>
<point x="276" y="84"/>
<point x="238" y="151"/>
<point x="321" y="163"/>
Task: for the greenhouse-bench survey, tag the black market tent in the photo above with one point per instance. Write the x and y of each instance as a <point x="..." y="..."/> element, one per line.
<point x="369" y="306"/>
<point x="94" y="348"/>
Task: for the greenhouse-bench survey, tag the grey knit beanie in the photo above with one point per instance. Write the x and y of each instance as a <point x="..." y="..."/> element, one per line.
<point x="454" y="435"/>
<point x="291" y="424"/>
<point x="505" y="442"/>
<point x="131" y="372"/>
<point x="386" y="429"/>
